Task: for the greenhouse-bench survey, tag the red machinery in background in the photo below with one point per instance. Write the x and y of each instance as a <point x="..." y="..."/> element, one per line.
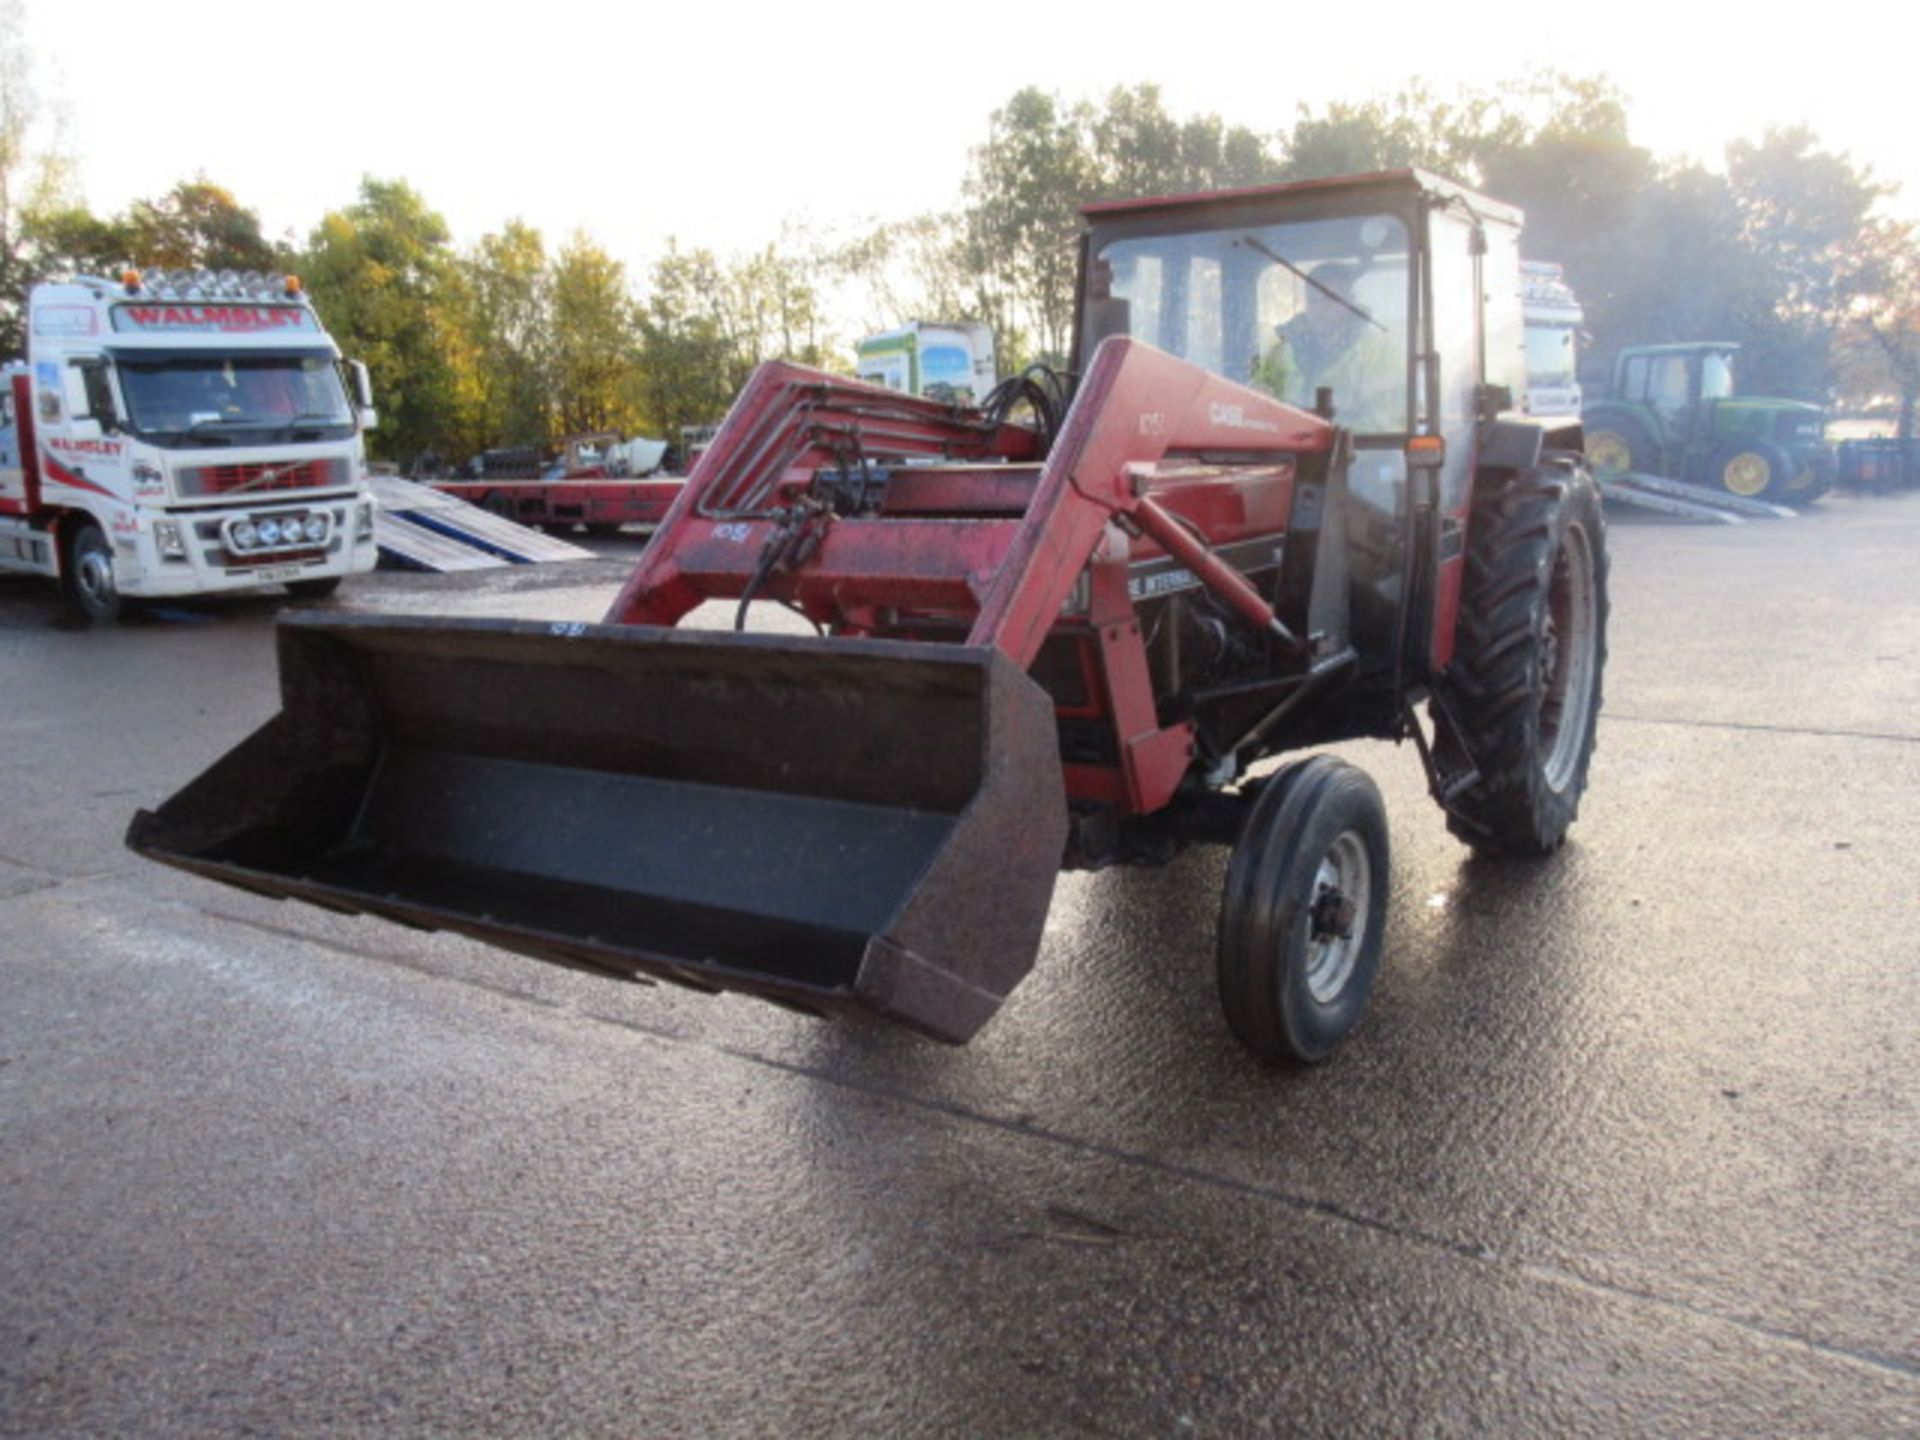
<point x="591" y="484"/>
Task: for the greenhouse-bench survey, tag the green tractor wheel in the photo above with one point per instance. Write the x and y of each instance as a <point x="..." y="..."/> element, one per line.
<point x="1753" y="470"/>
<point x="1615" y="450"/>
<point x="1808" y="484"/>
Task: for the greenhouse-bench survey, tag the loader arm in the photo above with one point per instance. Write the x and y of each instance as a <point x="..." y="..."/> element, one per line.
<point x="922" y="520"/>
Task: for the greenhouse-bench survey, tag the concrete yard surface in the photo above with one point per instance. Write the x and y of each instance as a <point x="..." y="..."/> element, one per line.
<point x="1628" y="1143"/>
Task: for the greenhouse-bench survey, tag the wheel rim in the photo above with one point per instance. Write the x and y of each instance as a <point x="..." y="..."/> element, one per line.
<point x="1567" y="659"/>
<point x="93" y="574"/>
<point x="1608" y="452"/>
<point x="1746" y="474"/>
<point x="1338" y="916"/>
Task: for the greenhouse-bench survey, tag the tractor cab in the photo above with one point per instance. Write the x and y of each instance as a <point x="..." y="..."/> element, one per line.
<point x="1389" y="303"/>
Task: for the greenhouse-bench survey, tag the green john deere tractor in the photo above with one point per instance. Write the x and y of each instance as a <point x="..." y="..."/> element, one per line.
<point x="1670" y="410"/>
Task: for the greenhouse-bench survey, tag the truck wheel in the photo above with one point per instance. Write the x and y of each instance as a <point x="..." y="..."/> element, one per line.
<point x="90" y="583"/>
<point x="1304" y="911"/>
<point x="1751" y="469"/>
<point x="313" y="589"/>
<point x="1617" y="447"/>
<point x="1525" y="681"/>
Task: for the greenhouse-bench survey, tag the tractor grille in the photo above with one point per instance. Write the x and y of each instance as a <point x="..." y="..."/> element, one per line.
<point x="199" y="481"/>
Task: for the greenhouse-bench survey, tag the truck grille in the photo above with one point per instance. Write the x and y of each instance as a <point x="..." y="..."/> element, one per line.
<point x="197" y="481"/>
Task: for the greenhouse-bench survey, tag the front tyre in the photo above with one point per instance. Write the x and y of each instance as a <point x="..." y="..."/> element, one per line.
<point x="90" y="582"/>
<point x="1813" y="480"/>
<point x="1524" y="687"/>
<point x="1751" y="469"/>
<point x="1303" y="912"/>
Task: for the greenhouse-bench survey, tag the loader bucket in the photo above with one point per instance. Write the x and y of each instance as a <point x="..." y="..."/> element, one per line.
<point x="824" y="823"/>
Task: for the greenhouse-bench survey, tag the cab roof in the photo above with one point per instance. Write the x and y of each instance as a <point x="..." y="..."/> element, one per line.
<point x="1395" y="182"/>
<point x="1680" y="347"/>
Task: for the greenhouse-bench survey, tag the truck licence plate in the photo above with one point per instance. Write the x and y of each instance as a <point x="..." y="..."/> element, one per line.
<point x="276" y="572"/>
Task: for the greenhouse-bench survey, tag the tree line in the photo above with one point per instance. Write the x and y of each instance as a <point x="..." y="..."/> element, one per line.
<point x="506" y="342"/>
<point x="514" y="341"/>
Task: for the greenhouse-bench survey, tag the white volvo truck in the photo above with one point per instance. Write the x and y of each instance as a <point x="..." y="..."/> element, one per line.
<point x="182" y="434"/>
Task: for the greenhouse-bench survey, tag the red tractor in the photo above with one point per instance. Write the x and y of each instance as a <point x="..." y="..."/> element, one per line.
<point x="1071" y="639"/>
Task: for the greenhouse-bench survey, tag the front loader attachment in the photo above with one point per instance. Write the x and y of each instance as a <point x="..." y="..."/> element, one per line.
<point x="845" y="824"/>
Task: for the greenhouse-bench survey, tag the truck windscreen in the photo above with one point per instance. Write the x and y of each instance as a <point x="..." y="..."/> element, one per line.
<point x="186" y="399"/>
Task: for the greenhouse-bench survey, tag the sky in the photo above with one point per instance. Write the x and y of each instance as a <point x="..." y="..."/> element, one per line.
<point x="717" y="122"/>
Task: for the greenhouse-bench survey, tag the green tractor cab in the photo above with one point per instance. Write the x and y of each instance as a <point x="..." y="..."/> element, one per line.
<point x="1671" y="411"/>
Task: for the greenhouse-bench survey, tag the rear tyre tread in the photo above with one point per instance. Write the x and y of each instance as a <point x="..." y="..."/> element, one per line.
<point x="1494" y="682"/>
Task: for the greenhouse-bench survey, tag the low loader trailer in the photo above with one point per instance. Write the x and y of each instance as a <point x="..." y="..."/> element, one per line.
<point x="1090" y="622"/>
<point x="594" y="484"/>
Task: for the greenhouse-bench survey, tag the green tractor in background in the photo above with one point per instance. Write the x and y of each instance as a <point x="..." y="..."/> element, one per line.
<point x="1670" y="410"/>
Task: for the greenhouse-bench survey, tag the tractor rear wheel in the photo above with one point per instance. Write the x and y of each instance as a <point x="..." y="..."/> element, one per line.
<point x="1304" y="911"/>
<point x="1524" y="686"/>
<point x="1618" y="447"/>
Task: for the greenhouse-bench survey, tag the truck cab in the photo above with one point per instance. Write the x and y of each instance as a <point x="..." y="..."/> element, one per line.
<point x="183" y="434"/>
<point x="1554" y="317"/>
<point x="951" y="362"/>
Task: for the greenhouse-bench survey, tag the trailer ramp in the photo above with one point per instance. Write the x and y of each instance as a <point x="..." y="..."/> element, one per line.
<point x="1688" y="502"/>
<point x="419" y="528"/>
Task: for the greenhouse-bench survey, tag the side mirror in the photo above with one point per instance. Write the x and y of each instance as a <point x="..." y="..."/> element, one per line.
<point x="363" y="395"/>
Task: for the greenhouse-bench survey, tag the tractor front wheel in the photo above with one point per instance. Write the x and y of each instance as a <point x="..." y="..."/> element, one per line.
<point x="1751" y="469"/>
<point x="1524" y="686"/>
<point x="1304" y="911"/>
<point x="1813" y="479"/>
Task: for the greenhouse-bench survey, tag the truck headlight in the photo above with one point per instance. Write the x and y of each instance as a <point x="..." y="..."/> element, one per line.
<point x="244" y="534"/>
<point x="363" y="521"/>
<point x="316" y="528"/>
<point x="166" y="535"/>
<point x="269" y="532"/>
